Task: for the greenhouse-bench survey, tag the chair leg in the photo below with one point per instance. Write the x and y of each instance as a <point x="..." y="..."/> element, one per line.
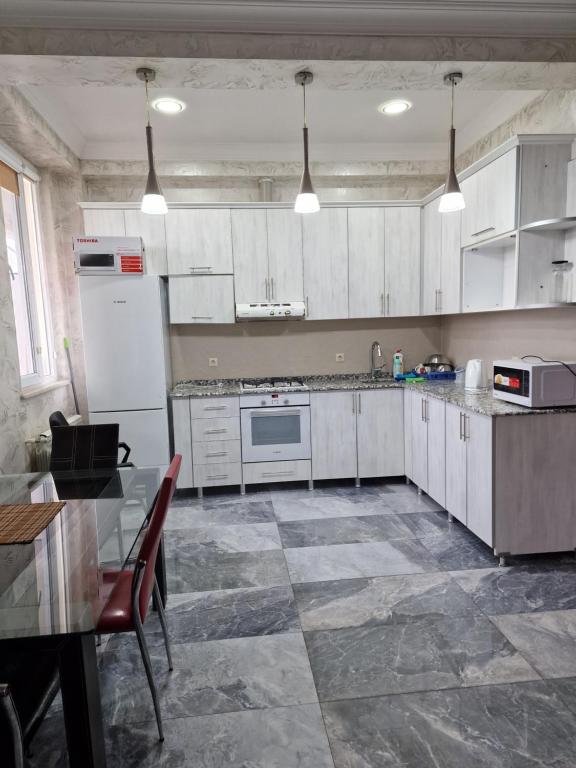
<point x="162" y="616"/>
<point x="10" y="716"/>
<point x="148" y="667"/>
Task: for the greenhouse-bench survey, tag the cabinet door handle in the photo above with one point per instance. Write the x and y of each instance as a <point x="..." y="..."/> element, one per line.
<point x="200" y="269"/>
<point x="216" y="477"/>
<point x="217" y="453"/>
<point x="426" y="412"/>
<point x="461" y="428"/>
<point x="266" y="288"/>
<point x="307" y="307"/>
<point x="439" y="299"/>
<point x="201" y="317"/>
<point x="359" y="402"/>
<point x="277" y="474"/>
<point x="215" y="407"/>
<point x="272" y="289"/>
<point x="382" y="304"/>
<point x="422" y="417"/>
<point x="466" y="431"/>
<point x="353" y="402"/>
<point x="215" y="431"/>
<point x="387" y="303"/>
<point x="482" y="231"/>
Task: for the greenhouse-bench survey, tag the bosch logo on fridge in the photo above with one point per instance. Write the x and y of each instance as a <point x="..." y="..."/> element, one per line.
<point x="109" y="255"/>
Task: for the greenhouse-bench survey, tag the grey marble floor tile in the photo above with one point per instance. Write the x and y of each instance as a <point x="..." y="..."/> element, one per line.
<point x="506" y="726"/>
<point x="349" y="561"/>
<point x="386" y="600"/>
<point x="221" y="615"/>
<point x="342" y="530"/>
<point x="546" y="640"/>
<point x="284" y="737"/>
<point x="316" y="504"/>
<point x="457" y="549"/>
<point x="191" y="569"/>
<point x="403" y="503"/>
<point x="209" y="678"/>
<point x="427" y="523"/>
<point x="221" y="513"/>
<point x="426" y="655"/>
<point x="225" y="538"/>
<point x="525" y="589"/>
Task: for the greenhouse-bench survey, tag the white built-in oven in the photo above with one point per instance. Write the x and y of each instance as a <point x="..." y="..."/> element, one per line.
<point x="275" y="426"/>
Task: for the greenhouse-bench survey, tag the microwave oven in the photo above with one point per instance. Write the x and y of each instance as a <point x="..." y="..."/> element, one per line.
<point x="534" y="383"/>
<point x="108" y="255"/>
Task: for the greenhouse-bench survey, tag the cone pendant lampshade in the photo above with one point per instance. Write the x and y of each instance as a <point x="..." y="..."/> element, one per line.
<point x="452" y="198"/>
<point x="153" y="200"/>
<point x="307" y="200"/>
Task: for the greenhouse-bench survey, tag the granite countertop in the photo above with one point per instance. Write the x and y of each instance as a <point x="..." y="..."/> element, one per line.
<point x="451" y="392"/>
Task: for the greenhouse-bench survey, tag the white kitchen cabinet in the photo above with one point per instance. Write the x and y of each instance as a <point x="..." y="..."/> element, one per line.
<point x="267" y="246"/>
<point x="436" y="449"/>
<point x="106" y="222"/>
<point x="479" y="485"/>
<point x="250" y="249"/>
<point x="285" y="265"/>
<point x="325" y="247"/>
<point x="333" y="434"/>
<point x="419" y="438"/>
<point x="402" y="261"/>
<point x="201" y="299"/>
<point x="455" y="463"/>
<point x="490" y="196"/>
<point x="152" y="230"/>
<point x="408" y="395"/>
<point x="199" y="241"/>
<point x="182" y="438"/>
<point x="431" y="258"/>
<point x="366" y="261"/>
<point x="469" y="483"/>
<point x="450" y="264"/>
<point x="380" y="430"/>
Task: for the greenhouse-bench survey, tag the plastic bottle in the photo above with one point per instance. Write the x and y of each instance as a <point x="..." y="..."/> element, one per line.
<point x="397" y="363"/>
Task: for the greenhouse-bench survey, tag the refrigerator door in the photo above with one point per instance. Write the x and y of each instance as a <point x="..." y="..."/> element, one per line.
<point x="146" y="432"/>
<point x="122" y="321"/>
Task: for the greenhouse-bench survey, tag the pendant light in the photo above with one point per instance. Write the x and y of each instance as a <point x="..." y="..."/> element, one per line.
<point x="452" y="198"/>
<point x="307" y="200"/>
<point x="153" y="200"/>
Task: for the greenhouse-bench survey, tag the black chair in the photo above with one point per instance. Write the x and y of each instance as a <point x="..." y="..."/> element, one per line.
<point x="58" y="421"/>
<point x="10" y="729"/>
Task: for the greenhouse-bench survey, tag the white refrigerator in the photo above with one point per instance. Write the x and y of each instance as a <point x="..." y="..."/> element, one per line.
<point x="126" y="349"/>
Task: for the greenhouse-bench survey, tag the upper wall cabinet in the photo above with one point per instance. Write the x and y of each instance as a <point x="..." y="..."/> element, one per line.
<point x="199" y="241"/>
<point x="104" y="222"/>
<point x="366" y="261"/>
<point x="490" y="196"/>
<point x="267" y="247"/>
<point x="441" y="261"/>
<point x="402" y="261"/>
<point x="325" y="246"/>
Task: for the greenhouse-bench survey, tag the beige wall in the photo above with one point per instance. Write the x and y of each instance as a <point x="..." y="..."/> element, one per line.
<point x="297" y="348"/>
<point x="550" y="333"/>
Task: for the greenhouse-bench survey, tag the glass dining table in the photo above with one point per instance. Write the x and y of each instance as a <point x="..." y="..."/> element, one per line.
<point x="52" y="590"/>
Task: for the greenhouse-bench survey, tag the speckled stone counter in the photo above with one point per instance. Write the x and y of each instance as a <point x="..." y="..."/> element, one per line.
<point x="479" y="402"/>
<point x="483" y="402"/>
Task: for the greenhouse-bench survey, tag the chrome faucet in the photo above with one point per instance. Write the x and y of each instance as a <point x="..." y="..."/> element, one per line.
<point x="376" y="354"/>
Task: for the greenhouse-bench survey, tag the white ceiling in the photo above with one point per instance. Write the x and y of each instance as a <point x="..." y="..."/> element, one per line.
<point x="108" y="122"/>
<point x="540" y="18"/>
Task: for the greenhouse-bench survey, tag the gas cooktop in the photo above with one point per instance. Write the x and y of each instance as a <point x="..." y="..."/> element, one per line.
<point x="272" y="385"/>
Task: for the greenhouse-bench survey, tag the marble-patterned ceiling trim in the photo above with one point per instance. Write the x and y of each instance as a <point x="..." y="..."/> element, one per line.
<point x="552" y="112"/>
<point x="98" y="168"/>
<point x="23" y="129"/>
<point x="276" y="74"/>
<point x="184" y="44"/>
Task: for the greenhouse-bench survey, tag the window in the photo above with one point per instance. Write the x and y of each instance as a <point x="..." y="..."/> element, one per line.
<point x="27" y="279"/>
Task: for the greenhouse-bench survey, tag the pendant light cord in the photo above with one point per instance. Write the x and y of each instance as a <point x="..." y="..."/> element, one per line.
<point x="304" y="102"/>
<point x="452" y="106"/>
<point x="147" y="101"/>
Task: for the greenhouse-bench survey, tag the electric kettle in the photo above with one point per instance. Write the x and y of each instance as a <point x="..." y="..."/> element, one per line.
<point x="475" y="379"/>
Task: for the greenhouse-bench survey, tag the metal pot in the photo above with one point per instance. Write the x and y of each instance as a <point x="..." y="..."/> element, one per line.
<point x="439" y="362"/>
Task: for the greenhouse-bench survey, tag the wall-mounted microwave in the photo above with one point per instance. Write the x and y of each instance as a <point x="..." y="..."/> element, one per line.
<point x="95" y="255"/>
<point x="535" y="383"/>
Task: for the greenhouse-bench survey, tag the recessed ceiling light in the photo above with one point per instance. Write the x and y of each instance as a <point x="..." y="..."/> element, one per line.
<point x="168" y="106"/>
<point x="395" y="106"/>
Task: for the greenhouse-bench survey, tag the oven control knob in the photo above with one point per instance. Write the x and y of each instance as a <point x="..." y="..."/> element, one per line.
<point x="286" y="402"/>
<point x="262" y="402"/>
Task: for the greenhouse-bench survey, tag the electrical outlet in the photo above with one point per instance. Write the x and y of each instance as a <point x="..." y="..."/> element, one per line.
<point x="213" y="362"/>
<point x="339" y="357"/>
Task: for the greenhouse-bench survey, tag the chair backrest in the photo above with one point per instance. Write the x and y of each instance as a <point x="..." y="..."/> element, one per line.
<point x="86" y="446"/>
<point x="149" y="547"/>
<point x="57" y="419"/>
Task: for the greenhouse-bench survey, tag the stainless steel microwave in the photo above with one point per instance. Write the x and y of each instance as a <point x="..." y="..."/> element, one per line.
<point x="535" y="383"/>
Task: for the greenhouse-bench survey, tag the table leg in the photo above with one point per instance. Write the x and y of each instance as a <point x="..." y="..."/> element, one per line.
<point x="160" y="570"/>
<point x="81" y="701"/>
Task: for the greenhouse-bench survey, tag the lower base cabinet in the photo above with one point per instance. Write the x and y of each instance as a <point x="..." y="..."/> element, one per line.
<point x="469" y="481"/>
<point x="425" y="434"/>
<point x="182" y="440"/>
<point x="357" y="434"/>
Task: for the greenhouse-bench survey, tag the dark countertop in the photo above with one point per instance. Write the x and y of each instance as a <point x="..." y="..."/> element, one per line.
<point x="478" y="402"/>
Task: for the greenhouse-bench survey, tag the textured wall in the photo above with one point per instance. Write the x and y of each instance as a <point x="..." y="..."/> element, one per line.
<point x="297" y="347"/>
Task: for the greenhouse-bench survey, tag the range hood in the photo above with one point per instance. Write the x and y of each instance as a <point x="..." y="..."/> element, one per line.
<point x="292" y="310"/>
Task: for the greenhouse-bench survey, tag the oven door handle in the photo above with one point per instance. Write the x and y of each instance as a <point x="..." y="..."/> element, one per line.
<point x="279" y="411"/>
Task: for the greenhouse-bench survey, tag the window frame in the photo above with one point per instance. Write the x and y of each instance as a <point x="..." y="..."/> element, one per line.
<point x="34" y="274"/>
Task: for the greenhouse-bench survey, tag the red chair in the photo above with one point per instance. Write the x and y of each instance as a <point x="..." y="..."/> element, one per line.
<point x="127" y="606"/>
